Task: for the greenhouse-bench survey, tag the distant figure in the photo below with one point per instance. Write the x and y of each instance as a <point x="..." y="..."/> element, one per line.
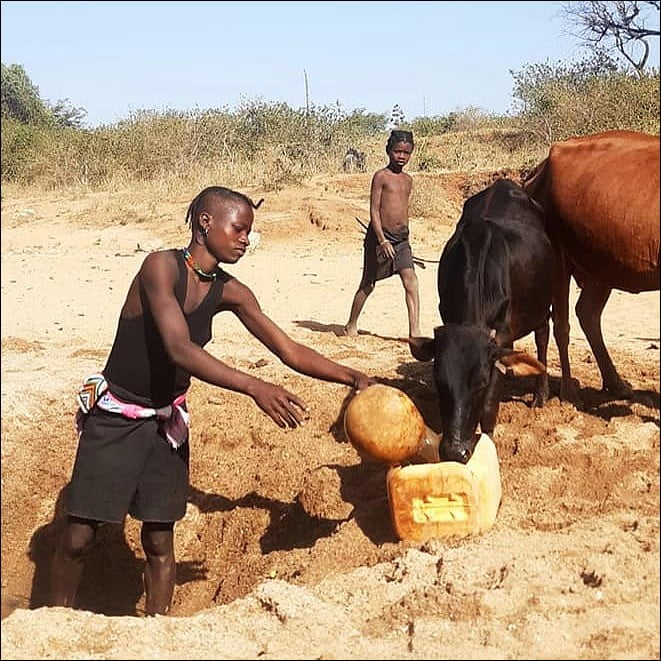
<point x="386" y="247"/>
<point x="354" y="161"/>
<point x="133" y="450"/>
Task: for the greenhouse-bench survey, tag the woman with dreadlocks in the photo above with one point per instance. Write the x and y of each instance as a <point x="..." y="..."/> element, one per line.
<point x="133" y="451"/>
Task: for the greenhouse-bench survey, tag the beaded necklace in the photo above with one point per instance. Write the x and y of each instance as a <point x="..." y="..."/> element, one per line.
<point x="196" y="267"/>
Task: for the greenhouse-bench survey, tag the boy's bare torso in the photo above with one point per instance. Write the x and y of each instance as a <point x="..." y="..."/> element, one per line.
<point x="394" y="201"/>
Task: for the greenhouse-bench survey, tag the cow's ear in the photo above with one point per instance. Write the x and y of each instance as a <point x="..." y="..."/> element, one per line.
<point x="519" y="363"/>
<point x="422" y="348"/>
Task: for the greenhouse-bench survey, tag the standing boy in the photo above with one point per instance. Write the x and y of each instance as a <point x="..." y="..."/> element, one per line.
<point x="386" y="247"/>
<point x="133" y="451"/>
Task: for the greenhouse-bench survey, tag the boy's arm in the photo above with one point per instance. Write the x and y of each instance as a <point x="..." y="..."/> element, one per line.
<point x="157" y="279"/>
<point x="375" y="206"/>
<point x="376" y="193"/>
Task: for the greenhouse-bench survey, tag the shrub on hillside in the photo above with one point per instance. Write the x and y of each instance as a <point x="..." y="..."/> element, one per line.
<point x="557" y="101"/>
<point x="270" y="143"/>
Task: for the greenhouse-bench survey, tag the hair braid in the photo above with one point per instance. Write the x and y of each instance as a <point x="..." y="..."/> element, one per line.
<point x="217" y="191"/>
<point x="399" y="136"/>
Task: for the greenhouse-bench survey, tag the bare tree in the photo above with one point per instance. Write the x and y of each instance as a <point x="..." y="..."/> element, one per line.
<point x="622" y="26"/>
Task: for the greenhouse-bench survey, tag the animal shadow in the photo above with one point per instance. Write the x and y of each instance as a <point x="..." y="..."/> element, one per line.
<point x="364" y="486"/>
<point x="593" y="401"/>
<point x="606" y="406"/>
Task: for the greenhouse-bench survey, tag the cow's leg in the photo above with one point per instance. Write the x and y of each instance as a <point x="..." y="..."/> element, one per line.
<point x="542" y="343"/>
<point x="589" y="307"/>
<point x="561" y="279"/>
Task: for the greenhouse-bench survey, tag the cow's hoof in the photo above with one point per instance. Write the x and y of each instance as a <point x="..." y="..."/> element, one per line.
<point x="539" y="401"/>
<point x="569" y="393"/>
<point x="619" y="389"/>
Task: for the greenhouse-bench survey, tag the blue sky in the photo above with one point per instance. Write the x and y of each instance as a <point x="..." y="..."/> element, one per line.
<point x="112" y="58"/>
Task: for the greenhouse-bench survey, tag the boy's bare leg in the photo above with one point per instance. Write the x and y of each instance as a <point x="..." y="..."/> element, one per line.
<point x="410" y="282"/>
<point x="67" y="567"/>
<point x="351" y="327"/>
<point x="160" y="566"/>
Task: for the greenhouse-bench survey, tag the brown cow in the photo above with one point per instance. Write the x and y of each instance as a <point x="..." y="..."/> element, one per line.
<point x="601" y="197"/>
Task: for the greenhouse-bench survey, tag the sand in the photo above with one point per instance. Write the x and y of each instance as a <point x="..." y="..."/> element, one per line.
<point x="287" y="549"/>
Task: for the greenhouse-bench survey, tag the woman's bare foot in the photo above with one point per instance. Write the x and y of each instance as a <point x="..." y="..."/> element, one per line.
<point x="350" y="330"/>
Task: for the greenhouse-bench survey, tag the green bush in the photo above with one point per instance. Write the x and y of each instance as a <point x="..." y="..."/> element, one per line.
<point x="272" y="145"/>
<point x="266" y="142"/>
<point x="557" y="101"/>
<point x="23" y="145"/>
<point x="20" y="97"/>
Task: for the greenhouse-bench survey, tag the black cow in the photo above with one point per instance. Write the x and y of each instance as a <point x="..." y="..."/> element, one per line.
<point x="494" y="286"/>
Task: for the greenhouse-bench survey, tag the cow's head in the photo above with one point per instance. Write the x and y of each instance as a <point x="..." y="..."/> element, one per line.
<point x="468" y="364"/>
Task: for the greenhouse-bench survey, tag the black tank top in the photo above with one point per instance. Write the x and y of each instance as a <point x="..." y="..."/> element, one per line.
<point x="139" y="369"/>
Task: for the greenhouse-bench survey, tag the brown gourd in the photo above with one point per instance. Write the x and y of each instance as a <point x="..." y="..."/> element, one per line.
<point x="384" y="424"/>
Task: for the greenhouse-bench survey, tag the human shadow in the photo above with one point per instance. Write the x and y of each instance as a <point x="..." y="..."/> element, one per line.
<point x="111" y="581"/>
<point x="40" y="551"/>
<point x="338" y="330"/>
<point x="290" y="525"/>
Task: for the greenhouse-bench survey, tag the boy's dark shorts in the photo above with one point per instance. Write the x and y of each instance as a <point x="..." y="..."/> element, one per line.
<point x="126" y="466"/>
<point x="375" y="267"/>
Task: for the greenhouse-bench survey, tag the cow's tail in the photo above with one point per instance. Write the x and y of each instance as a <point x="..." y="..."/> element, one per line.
<point x="532" y="180"/>
<point x="536" y="186"/>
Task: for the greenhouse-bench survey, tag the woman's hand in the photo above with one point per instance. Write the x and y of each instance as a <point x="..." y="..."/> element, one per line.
<point x="362" y="381"/>
<point x="285" y="408"/>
